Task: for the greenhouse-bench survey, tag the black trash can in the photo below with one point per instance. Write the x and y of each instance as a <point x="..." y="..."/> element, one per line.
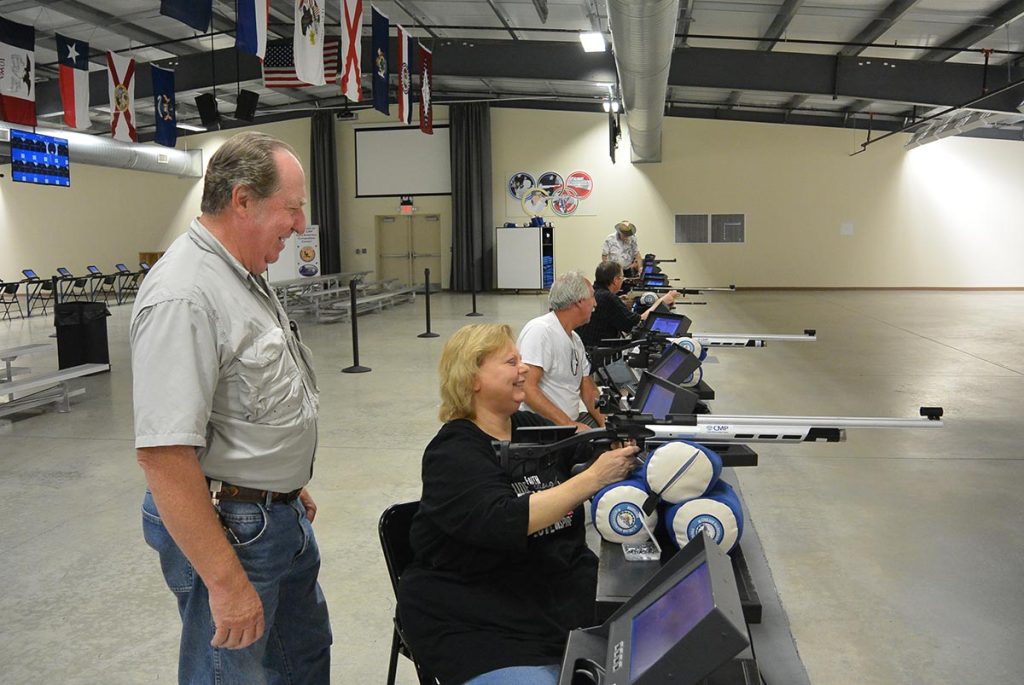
<point x="81" y="333"/>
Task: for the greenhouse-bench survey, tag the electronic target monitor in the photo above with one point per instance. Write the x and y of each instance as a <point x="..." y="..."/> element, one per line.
<point x="661" y="398"/>
<point x="676" y="364"/>
<point x="668" y="324"/>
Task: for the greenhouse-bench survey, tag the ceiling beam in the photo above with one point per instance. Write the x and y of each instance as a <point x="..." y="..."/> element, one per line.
<point x="502" y="18"/>
<point x="683" y="23"/>
<point x="878" y="26"/>
<point x="1003" y="15"/>
<point x="542" y="10"/>
<point x="417" y="16"/>
<point x="88" y="15"/>
<point x="779" y="25"/>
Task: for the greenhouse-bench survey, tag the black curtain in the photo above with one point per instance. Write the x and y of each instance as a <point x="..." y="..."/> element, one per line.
<point x="323" y="186"/>
<point x="472" y="216"/>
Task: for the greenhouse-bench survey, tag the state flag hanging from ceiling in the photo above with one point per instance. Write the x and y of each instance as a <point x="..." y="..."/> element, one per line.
<point x="121" y="90"/>
<point x="308" y="42"/>
<point x="426" y="81"/>
<point x="163" y="106"/>
<point x="194" y="13"/>
<point x="17" y="73"/>
<point x="380" y="61"/>
<point x="73" y="72"/>
<point x="279" y="65"/>
<point x="251" y="33"/>
<point x="351" y="49"/>
<point x="406" y="66"/>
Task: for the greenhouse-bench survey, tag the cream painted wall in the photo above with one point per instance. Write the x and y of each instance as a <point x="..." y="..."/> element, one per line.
<point x="108" y="215"/>
<point x="948" y="214"/>
<point x="358" y="215"/>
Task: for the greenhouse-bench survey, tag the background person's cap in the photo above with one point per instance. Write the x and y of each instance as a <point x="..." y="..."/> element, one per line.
<point x="625" y="228"/>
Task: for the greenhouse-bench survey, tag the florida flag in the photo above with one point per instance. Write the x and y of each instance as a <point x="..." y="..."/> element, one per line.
<point x="73" y="58"/>
<point x="121" y="90"/>
<point x="251" y="35"/>
<point x="17" y="73"/>
<point x="351" y="47"/>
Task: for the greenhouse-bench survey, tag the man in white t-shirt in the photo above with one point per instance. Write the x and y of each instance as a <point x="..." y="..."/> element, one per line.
<point x="559" y="373"/>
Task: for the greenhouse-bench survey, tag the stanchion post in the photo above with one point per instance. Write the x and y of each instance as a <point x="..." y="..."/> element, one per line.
<point x="355" y="368"/>
<point x="426" y="297"/>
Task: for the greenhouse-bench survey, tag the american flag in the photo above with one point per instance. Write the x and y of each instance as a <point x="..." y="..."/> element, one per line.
<point x="279" y="64"/>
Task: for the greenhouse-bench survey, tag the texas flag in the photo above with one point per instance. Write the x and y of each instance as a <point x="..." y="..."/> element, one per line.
<point x="121" y="89"/>
<point x="251" y="35"/>
<point x="406" y="65"/>
<point x="73" y="58"/>
<point x="351" y="47"/>
<point x="17" y="73"/>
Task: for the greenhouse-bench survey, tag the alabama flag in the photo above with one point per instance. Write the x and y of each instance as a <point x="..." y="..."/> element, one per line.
<point x="406" y="64"/>
<point x="121" y="90"/>
<point x="17" y="73"/>
<point x="251" y="35"/>
<point x="351" y="46"/>
<point x="73" y="58"/>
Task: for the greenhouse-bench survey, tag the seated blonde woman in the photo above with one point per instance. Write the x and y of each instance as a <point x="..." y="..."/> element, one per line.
<point x="501" y="571"/>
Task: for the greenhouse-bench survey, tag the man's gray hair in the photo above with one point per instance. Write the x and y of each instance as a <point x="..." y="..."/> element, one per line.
<point x="246" y="159"/>
<point x="567" y="290"/>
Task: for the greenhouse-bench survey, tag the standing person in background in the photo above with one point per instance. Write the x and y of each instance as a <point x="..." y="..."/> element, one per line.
<point x="621" y="247"/>
<point x="226" y="430"/>
<point x="559" y="373"/>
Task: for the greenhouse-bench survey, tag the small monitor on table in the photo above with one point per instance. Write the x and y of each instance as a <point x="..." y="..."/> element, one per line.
<point x="63" y="271"/>
<point x="667" y="324"/>
<point x="29" y="274"/>
<point x="676" y="364"/>
<point x="93" y="269"/>
<point x="660" y="398"/>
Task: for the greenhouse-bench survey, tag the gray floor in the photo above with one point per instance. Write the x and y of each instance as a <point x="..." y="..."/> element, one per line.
<point x="897" y="554"/>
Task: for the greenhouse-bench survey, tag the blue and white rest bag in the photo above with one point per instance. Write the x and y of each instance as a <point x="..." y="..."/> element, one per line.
<point x="616" y="511"/>
<point x="719" y="513"/>
<point x="679" y="471"/>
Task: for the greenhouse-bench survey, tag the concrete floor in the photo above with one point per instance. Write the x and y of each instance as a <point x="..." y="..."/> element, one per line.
<point x="898" y="554"/>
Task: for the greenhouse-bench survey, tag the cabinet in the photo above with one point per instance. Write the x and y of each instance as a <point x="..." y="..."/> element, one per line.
<point x="526" y="257"/>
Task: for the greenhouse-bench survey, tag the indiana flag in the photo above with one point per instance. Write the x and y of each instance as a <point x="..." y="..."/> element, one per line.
<point x="351" y="48"/>
<point x="279" y="65"/>
<point x="380" y="61"/>
<point x="73" y="61"/>
<point x="194" y="13"/>
<point x="163" y="106"/>
<point x="405" y="69"/>
<point x="251" y="34"/>
<point x="308" y="42"/>
<point x="17" y="73"/>
<point x="426" y="81"/>
<point x="121" y="89"/>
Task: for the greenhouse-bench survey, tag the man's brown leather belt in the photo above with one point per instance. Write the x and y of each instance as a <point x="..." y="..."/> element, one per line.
<point x="237" y="493"/>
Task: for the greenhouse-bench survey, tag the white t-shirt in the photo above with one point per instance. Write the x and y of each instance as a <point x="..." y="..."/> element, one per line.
<point x="544" y="343"/>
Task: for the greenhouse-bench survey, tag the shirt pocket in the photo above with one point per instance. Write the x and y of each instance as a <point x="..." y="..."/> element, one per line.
<point x="270" y="386"/>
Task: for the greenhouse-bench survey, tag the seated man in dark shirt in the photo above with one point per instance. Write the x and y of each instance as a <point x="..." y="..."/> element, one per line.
<point x="501" y="570"/>
<point x="612" y="318"/>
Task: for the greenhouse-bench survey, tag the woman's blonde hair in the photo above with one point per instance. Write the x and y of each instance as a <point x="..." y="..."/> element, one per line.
<point x="461" y="358"/>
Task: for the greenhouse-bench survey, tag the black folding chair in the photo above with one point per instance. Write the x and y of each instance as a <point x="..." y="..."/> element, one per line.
<point x="127" y="282"/>
<point x="9" y="298"/>
<point x="394" y="541"/>
<point x="37" y="291"/>
<point x="71" y="287"/>
<point x="102" y="284"/>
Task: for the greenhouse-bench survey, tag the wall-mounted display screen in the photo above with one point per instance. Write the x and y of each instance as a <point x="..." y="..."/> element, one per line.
<point x="39" y="159"/>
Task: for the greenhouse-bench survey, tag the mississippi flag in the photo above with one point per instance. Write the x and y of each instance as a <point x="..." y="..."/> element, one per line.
<point x="279" y="65"/>
<point x="405" y="68"/>
<point x="121" y="89"/>
<point x="73" y="58"/>
<point x="379" y="53"/>
<point x="17" y="73"/>
<point x="351" y="47"/>
<point x="251" y="35"/>
<point x="426" y="81"/>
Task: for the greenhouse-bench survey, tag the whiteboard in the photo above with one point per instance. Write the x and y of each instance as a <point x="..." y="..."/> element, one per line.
<point x="402" y="160"/>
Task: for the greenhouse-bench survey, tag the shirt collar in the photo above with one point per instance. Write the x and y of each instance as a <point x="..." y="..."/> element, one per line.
<point x="207" y="241"/>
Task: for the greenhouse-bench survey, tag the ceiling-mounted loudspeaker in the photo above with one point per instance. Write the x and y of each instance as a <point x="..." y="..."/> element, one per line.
<point x="207" y="105"/>
<point x="245" y="106"/>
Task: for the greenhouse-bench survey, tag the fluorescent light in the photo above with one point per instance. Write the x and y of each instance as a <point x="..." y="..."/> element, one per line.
<point x="607" y="106"/>
<point x="190" y="127"/>
<point x="615" y="105"/>
<point x="592" y="41"/>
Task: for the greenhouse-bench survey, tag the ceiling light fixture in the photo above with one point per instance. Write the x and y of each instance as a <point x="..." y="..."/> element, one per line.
<point x="592" y="41"/>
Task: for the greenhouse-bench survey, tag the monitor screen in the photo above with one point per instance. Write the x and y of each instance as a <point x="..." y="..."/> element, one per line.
<point x="658" y="401"/>
<point x="29" y="273"/>
<point x="655" y="280"/>
<point x="121" y="267"/>
<point x="651" y="269"/>
<point x="669" y="618"/>
<point x="676" y="364"/>
<point x="39" y="159"/>
<point x="63" y="271"/>
<point x="93" y="269"/>
<point x="672" y="326"/>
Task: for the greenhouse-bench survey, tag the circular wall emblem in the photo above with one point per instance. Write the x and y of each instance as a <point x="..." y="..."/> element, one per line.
<point x="535" y="202"/>
<point x="551" y="182"/>
<point x="580" y="184"/>
<point x="624" y="518"/>
<point x="519" y="183"/>
<point x="564" y="203"/>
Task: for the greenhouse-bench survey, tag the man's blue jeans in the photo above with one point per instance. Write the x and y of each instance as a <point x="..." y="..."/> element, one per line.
<point x="279" y="553"/>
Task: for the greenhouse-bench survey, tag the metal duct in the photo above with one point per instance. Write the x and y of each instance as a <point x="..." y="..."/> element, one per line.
<point x="643" y="36"/>
<point x="87" y="149"/>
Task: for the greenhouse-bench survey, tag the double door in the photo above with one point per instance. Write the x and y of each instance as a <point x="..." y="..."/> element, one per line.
<point x="406" y="245"/>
